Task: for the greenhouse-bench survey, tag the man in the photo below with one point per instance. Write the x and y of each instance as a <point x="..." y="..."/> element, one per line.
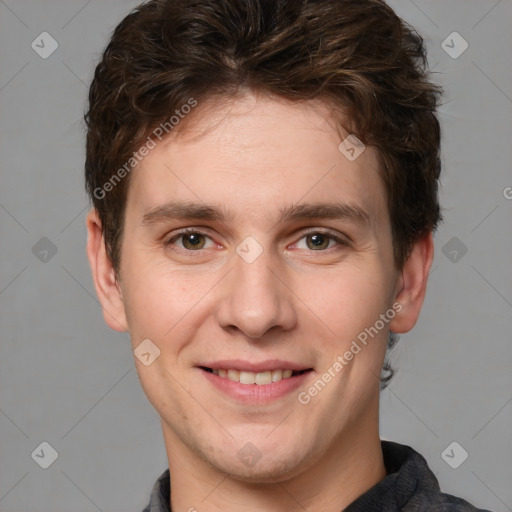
<point x="264" y="180"/>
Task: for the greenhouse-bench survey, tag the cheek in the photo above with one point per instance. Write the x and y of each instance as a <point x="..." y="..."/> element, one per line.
<point x="146" y="298"/>
<point x="348" y="299"/>
<point x="158" y="302"/>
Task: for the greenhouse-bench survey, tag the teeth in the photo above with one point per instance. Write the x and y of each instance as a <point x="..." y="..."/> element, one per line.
<point x="259" y="379"/>
<point x="234" y="375"/>
<point x="247" y="378"/>
<point x="277" y="375"/>
<point x="263" y="378"/>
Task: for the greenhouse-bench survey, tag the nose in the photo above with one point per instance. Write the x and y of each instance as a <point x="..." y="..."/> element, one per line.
<point x="254" y="297"/>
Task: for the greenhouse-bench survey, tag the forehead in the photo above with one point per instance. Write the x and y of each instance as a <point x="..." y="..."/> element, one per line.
<point x="255" y="154"/>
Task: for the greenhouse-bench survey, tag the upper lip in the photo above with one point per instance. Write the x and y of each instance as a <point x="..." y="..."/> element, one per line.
<point x="247" y="366"/>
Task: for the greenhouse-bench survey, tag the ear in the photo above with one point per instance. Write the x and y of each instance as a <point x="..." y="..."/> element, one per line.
<point x="107" y="287"/>
<point x="412" y="284"/>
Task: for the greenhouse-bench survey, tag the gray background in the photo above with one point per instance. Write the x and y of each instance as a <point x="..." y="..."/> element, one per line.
<point x="68" y="380"/>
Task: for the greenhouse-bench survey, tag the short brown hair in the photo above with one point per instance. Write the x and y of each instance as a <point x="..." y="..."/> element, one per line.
<point x="356" y="55"/>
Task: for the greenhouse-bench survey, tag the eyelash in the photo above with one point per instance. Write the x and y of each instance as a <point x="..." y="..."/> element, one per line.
<point x="186" y="231"/>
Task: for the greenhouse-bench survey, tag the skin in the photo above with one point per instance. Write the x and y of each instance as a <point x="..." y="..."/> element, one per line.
<point x="296" y="302"/>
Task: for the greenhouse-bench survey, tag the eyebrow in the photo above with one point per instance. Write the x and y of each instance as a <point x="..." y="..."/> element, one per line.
<point x="186" y="210"/>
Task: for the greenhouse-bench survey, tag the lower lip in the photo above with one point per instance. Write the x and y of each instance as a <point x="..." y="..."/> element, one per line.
<point x="255" y="393"/>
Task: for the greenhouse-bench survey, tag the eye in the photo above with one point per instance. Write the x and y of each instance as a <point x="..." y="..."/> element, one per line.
<point x="192" y="240"/>
<point x="189" y="240"/>
<point x="320" y="240"/>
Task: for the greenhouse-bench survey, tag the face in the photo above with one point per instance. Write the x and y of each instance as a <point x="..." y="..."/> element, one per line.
<point x="254" y="248"/>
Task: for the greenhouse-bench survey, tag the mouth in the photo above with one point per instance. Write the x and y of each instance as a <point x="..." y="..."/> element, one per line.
<point x="255" y="383"/>
<point x="261" y="378"/>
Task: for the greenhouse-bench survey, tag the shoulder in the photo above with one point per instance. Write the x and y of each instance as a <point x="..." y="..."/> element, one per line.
<point x="412" y="471"/>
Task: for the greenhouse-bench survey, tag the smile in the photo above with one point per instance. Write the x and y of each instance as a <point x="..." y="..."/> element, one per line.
<point x="257" y="378"/>
<point x="256" y="387"/>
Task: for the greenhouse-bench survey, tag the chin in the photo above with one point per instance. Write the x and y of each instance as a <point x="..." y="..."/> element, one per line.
<point x="260" y="466"/>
